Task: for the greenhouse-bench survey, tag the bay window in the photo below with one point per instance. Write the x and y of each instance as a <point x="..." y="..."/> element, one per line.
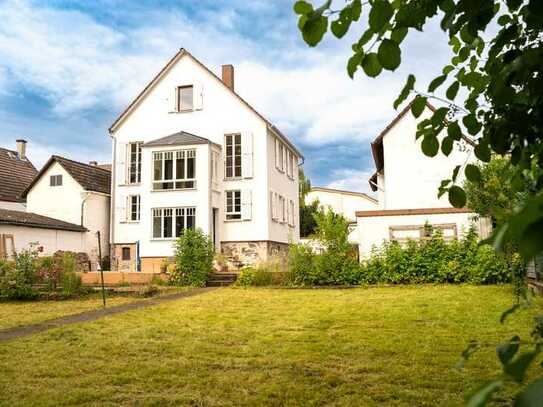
<point x="169" y="223"/>
<point x="174" y="169"/>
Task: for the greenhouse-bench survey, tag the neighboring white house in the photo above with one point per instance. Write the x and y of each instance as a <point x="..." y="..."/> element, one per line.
<point x="16" y="173"/>
<point x="189" y="152"/>
<point x="77" y="194"/>
<point x="343" y="202"/>
<point x="407" y="185"/>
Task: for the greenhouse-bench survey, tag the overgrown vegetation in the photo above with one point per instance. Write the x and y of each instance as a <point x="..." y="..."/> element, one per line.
<point x="29" y="276"/>
<point x="193" y="259"/>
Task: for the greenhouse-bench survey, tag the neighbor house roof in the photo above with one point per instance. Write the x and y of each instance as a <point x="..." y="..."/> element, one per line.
<point x="181" y="138"/>
<point x="90" y="177"/>
<point x="343" y="192"/>
<point x="407" y="212"/>
<point x="15" y="175"/>
<point x="377" y="143"/>
<point x="32" y="220"/>
<point x="182" y="52"/>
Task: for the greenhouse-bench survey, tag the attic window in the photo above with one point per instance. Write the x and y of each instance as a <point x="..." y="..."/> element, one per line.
<point x="185" y="98"/>
<point x="55" y="180"/>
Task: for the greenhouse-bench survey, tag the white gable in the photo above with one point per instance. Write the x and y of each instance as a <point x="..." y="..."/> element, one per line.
<point x="411" y="179"/>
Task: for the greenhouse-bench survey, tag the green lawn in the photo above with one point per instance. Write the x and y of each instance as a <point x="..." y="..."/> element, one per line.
<point x="30" y="312"/>
<point x="376" y="346"/>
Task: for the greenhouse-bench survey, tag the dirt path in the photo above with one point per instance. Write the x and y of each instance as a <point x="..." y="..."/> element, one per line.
<point x="26" y="330"/>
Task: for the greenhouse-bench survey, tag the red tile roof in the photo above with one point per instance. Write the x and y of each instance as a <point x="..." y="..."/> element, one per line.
<point x="15" y="175"/>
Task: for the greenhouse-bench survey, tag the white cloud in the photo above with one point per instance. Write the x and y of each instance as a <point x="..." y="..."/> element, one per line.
<point x="351" y="180"/>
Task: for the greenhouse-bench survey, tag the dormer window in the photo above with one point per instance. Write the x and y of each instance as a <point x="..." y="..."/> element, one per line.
<point x="185" y="99"/>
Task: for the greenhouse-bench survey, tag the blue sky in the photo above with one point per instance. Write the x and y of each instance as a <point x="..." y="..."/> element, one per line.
<point x="67" y="68"/>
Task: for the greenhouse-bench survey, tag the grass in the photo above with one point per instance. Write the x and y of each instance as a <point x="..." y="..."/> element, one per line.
<point x="18" y="313"/>
<point x="377" y="346"/>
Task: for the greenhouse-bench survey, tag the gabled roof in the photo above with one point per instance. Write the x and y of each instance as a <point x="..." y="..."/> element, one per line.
<point x="181" y="138"/>
<point x="377" y="143"/>
<point x="33" y="220"/>
<point x="15" y="175"/>
<point x="90" y="177"/>
<point x="343" y="192"/>
<point x="183" y="52"/>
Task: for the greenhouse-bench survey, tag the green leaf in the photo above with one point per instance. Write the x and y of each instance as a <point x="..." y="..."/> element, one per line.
<point x="436" y="83"/>
<point x="302" y="7"/>
<point x="455" y="172"/>
<point x="354" y="63"/>
<point x="371" y="65"/>
<point x="398" y="34"/>
<point x="452" y="90"/>
<point x="389" y="54"/>
<point x="504" y="19"/>
<point x="380" y="14"/>
<point x="418" y="105"/>
<point x="483" y="393"/>
<point x="430" y="145"/>
<point x="314" y="28"/>
<point x="448" y="69"/>
<point x="531" y="396"/>
<point x="506" y="351"/>
<point x="364" y="38"/>
<point x="508" y="312"/>
<point x="447" y="145"/>
<point x="454" y="131"/>
<point x="340" y="27"/>
<point x="473" y="173"/>
<point x="405" y="91"/>
<point x="356" y="9"/>
<point x="472" y="124"/>
<point x="482" y="152"/>
<point x="439" y="116"/>
<point x="517" y="368"/>
<point x="457" y="196"/>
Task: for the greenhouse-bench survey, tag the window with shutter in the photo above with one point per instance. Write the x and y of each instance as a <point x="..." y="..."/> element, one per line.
<point x="233" y="156"/>
<point x="247" y="155"/>
<point x="246" y="204"/>
<point x="233" y="205"/>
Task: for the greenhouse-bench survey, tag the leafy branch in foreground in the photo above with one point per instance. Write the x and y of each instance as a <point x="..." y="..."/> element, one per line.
<point x="492" y="91"/>
<point x="500" y="78"/>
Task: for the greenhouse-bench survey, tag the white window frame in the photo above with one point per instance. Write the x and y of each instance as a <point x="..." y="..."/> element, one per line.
<point x="184" y="212"/>
<point x="236" y="158"/>
<point x="137" y="162"/>
<point x="178" y="98"/>
<point x="130" y="208"/>
<point x="291" y="212"/>
<point x="280" y="151"/>
<point x="162" y="156"/>
<point x="234" y="214"/>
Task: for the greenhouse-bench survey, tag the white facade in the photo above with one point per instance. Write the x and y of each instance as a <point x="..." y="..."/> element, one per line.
<point x="407" y="186"/>
<point x="216" y="112"/>
<point x="345" y="203"/>
<point x="48" y="240"/>
<point x="70" y="202"/>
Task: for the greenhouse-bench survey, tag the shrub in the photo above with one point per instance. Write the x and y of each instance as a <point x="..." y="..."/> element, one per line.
<point x="48" y="272"/>
<point x="436" y="261"/>
<point x="194" y="259"/>
<point x="69" y="280"/>
<point x="255" y="276"/>
<point x="16" y="281"/>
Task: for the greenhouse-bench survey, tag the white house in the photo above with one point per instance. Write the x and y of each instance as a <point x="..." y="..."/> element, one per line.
<point x="189" y="152"/>
<point x="407" y="183"/>
<point x="16" y="173"/>
<point x="343" y="202"/>
<point x="77" y="194"/>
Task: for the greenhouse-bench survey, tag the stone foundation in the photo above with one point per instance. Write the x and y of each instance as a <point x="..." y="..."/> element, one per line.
<point x="254" y="252"/>
<point x="117" y="262"/>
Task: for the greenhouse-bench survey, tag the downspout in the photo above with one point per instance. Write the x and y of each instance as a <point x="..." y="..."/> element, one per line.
<point x="85" y="195"/>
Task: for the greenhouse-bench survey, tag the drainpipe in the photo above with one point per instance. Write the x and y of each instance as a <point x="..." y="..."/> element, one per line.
<point x="85" y="196"/>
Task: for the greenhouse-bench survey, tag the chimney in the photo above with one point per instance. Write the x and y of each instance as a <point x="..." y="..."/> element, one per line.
<point x="228" y="76"/>
<point x="95" y="163"/>
<point x="21" y="148"/>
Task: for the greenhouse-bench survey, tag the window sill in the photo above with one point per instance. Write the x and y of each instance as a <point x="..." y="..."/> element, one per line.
<point x="129" y="222"/>
<point x="136" y="184"/>
<point x="233" y="179"/>
<point x="163" y="239"/>
<point x="182" y="111"/>
<point x="174" y="190"/>
<point x="235" y="220"/>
